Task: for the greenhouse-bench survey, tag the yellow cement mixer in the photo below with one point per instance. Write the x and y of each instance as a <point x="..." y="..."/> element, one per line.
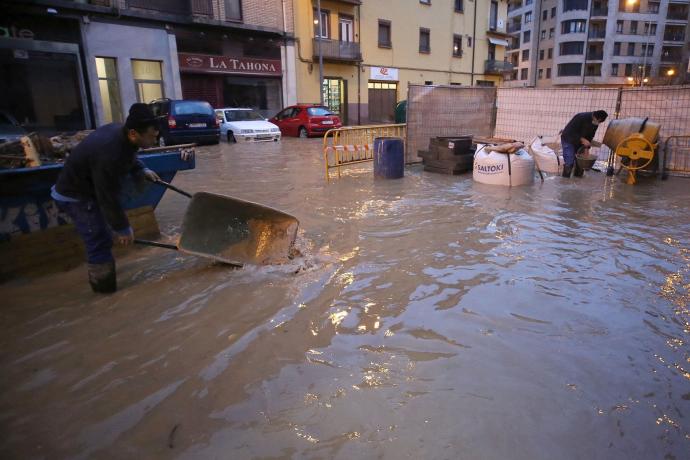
<point x="635" y="140"/>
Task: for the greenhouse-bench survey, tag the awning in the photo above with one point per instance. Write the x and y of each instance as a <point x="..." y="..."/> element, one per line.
<point x="498" y="41"/>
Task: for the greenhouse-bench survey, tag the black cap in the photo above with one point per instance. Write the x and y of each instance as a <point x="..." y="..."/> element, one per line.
<point x="140" y="117"/>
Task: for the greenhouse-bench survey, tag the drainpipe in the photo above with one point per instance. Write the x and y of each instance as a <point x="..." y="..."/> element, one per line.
<point x="589" y="21"/>
<point x="537" y="37"/>
<point x="474" y="40"/>
<point x="319" y="39"/>
<point x="359" y="66"/>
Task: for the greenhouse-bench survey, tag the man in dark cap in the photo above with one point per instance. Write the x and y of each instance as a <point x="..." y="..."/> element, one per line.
<point x="88" y="189"/>
<point x="578" y="133"/>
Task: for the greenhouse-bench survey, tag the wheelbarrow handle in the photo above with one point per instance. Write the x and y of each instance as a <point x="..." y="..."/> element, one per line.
<point x="156" y="244"/>
<point x="173" y="188"/>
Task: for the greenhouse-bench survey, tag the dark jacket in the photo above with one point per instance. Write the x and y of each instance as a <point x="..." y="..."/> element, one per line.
<point x="580" y="126"/>
<point x="95" y="169"/>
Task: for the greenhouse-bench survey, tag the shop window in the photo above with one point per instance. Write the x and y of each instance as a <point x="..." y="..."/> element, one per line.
<point x="233" y="10"/>
<point x="333" y="95"/>
<point x="109" y="87"/>
<point x="148" y="80"/>
<point x="384" y="34"/>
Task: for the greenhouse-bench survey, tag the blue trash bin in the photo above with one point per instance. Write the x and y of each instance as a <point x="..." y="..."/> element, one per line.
<point x="389" y="157"/>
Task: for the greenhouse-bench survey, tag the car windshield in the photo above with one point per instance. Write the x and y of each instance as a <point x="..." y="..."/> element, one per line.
<point x="319" y="112"/>
<point x="193" y="108"/>
<point x="243" y="115"/>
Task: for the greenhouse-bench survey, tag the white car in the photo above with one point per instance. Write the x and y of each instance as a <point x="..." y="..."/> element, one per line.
<point x="245" y="125"/>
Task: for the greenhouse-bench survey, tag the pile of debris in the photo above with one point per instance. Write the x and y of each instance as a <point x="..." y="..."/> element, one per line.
<point x="35" y="150"/>
<point x="448" y="155"/>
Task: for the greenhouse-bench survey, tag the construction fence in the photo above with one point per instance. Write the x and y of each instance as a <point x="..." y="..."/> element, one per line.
<point x="524" y="113"/>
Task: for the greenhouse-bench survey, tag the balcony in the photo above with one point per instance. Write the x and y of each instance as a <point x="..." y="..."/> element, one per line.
<point x="677" y="14"/>
<point x="335" y="50"/>
<point x="674" y="37"/>
<point x="595" y="56"/>
<point x="181" y="7"/>
<point x="515" y="6"/>
<point x="597" y="34"/>
<point x="514" y="27"/>
<point x="667" y="56"/>
<point x="493" y="67"/>
<point x="598" y="12"/>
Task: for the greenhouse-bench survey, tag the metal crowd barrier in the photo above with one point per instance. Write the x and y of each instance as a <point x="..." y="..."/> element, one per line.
<point x="676" y="156"/>
<point x="355" y="144"/>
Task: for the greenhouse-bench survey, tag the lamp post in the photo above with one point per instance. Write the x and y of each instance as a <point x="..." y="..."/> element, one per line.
<point x="670" y="73"/>
<point x="320" y="37"/>
<point x="648" y="23"/>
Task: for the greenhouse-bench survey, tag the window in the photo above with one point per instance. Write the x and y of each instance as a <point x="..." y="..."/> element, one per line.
<point x="569" y="70"/>
<point x="629" y="7"/>
<point x="617" y="49"/>
<point x="384" y="34"/>
<point x="469" y="42"/>
<point x="428" y="82"/>
<point x="485" y="83"/>
<point x="424" y="41"/>
<point x="550" y="53"/>
<point x="553" y="15"/>
<point x="106" y="69"/>
<point x="493" y="15"/>
<point x="544" y="15"/>
<point x="571" y="48"/>
<point x="649" y="29"/>
<point x="526" y="36"/>
<point x="570" y="5"/>
<point x="322" y="26"/>
<point x="457" y="45"/>
<point x="233" y="10"/>
<point x="541" y="55"/>
<point x="543" y="35"/>
<point x="541" y="74"/>
<point x="628" y="70"/>
<point x="333" y="95"/>
<point x="653" y="8"/>
<point x="633" y="27"/>
<point x="614" y="70"/>
<point x="648" y="49"/>
<point x="552" y="32"/>
<point x="619" y="27"/>
<point x="459" y="6"/>
<point x="528" y="17"/>
<point x="148" y="79"/>
<point x="426" y="2"/>
<point x="631" y="49"/>
<point x="523" y="74"/>
<point x="192" y="107"/>
<point x="492" y="52"/>
<point x="576" y="26"/>
<point x="525" y="55"/>
<point x="548" y="73"/>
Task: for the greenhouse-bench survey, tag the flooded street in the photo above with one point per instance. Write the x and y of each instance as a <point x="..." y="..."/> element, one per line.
<point x="427" y="318"/>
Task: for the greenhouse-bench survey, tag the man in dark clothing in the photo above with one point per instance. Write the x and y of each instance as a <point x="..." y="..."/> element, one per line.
<point x="88" y="189"/>
<point x="579" y="132"/>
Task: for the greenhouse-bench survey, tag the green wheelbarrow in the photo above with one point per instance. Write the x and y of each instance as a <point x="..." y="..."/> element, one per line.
<point x="232" y="231"/>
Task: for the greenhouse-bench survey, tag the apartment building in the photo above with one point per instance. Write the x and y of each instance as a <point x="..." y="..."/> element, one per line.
<point x="67" y="65"/>
<point x="598" y="42"/>
<point x="373" y="49"/>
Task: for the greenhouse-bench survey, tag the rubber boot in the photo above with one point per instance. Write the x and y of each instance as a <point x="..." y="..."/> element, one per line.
<point x="579" y="172"/>
<point x="567" y="170"/>
<point x="102" y="278"/>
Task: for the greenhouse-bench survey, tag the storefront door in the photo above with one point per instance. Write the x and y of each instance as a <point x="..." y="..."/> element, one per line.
<point x="382" y="100"/>
<point x="335" y="97"/>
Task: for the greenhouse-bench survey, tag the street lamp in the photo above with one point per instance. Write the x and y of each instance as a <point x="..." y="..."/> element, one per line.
<point x="631" y="80"/>
<point x="648" y="23"/>
<point x="319" y="39"/>
<point x="670" y="73"/>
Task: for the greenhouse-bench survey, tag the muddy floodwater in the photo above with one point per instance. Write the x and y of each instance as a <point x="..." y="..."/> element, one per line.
<point x="427" y="318"/>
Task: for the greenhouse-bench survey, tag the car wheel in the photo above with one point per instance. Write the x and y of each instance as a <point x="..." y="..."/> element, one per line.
<point x="303" y="133"/>
<point x="231" y="138"/>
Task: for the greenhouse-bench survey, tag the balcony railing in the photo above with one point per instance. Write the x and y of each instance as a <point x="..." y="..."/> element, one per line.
<point x="597" y="56"/>
<point x="337" y="50"/>
<point x="600" y="12"/>
<point x="677" y="15"/>
<point x="182" y="7"/>
<point x="671" y="57"/>
<point x="497" y="67"/>
<point x="514" y="27"/>
<point x="674" y="37"/>
<point x="595" y="33"/>
<point x="596" y="72"/>
<point x="514" y="6"/>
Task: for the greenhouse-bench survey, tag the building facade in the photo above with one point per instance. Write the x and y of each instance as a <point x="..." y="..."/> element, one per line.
<point x="75" y="65"/>
<point x="598" y="42"/>
<point x="373" y="49"/>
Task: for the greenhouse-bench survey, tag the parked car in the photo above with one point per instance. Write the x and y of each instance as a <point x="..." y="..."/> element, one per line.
<point x="10" y="129"/>
<point x="306" y="120"/>
<point x="246" y="125"/>
<point x="186" y="121"/>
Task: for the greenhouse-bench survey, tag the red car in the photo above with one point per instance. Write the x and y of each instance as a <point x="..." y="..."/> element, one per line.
<point x="304" y="120"/>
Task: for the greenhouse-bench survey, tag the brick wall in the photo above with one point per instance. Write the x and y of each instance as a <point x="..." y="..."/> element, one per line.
<point x="263" y="13"/>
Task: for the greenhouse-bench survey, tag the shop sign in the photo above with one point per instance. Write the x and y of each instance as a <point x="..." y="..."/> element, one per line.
<point x="204" y="63"/>
<point x="384" y="73"/>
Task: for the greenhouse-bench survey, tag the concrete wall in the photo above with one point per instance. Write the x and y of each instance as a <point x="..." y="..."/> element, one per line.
<point x="125" y="42"/>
